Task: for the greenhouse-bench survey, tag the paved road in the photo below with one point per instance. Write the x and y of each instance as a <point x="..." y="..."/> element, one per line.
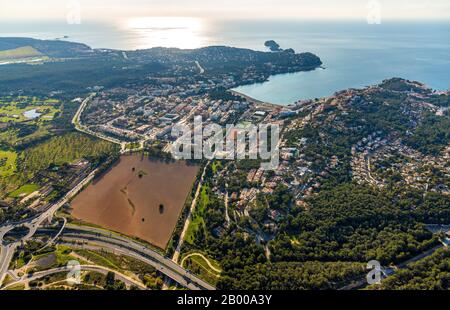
<point x="200" y="67"/>
<point x="33" y="225"/>
<point x="165" y="265"/>
<point x="136" y="250"/>
<point x="103" y="270"/>
<point x="227" y="215"/>
<point x="176" y="254"/>
<point x="204" y="258"/>
<point x="6" y="255"/>
<point x="419" y="257"/>
<point x="50" y="242"/>
<point x="76" y="121"/>
<point x="76" y="118"/>
<point x="390" y="271"/>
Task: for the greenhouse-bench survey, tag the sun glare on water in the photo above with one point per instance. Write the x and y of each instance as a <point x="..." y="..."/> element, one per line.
<point x="181" y="32"/>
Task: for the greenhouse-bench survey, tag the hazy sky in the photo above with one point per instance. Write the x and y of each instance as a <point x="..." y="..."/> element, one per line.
<point x="300" y="9"/>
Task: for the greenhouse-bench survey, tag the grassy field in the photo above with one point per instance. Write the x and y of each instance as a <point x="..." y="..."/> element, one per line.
<point x="216" y="165"/>
<point x="19" y="53"/>
<point x="14" y="109"/>
<point x="127" y="265"/>
<point x="7" y="163"/>
<point x="200" y="267"/>
<point x="197" y="221"/>
<point x="18" y="287"/>
<point x="59" y="258"/>
<point x="26" y="118"/>
<point x="98" y="259"/>
<point x="24" y="190"/>
<point x="132" y="145"/>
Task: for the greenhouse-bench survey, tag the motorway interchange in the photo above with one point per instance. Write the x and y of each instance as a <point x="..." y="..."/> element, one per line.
<point x="88" y="237"/>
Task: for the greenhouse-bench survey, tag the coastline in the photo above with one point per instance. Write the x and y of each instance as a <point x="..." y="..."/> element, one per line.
<point x="256" y="101"/>
<point x="237" y="92"/>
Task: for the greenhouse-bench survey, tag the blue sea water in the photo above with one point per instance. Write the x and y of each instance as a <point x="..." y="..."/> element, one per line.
<point x="357" y="55"/>
<point x="354" y="53"/>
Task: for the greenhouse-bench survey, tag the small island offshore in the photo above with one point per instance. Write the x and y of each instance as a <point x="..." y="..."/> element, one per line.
<point x="87" y="174"/>
<point x="65" y="66"/>
<point x="275" y="47"/>
<point x="85" y="135"/>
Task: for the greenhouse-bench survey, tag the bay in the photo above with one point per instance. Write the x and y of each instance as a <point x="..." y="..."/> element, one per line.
<point x="354" y="53"/>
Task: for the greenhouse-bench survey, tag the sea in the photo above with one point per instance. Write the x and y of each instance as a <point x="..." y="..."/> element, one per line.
<point x="354" y="53"/>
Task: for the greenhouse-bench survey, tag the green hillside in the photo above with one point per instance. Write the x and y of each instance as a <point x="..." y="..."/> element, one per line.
<point x="19" y="53"/>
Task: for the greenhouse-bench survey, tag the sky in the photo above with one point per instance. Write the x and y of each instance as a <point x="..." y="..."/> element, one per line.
<point x="28" y="10"/>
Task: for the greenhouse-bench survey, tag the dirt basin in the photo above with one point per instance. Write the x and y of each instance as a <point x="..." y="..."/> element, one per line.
<point x="138" y="197"/>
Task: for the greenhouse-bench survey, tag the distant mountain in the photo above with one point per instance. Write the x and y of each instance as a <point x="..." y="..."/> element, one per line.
<point x="217" y="56"/>
<point x="230" y="59"/>
<point x="76" y="66"/>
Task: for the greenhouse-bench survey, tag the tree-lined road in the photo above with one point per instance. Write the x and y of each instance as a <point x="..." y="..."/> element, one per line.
<point x="176" y="255"/>
<point x="76" y="121"/>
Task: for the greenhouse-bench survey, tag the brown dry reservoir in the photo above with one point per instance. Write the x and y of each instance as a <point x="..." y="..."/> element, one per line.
<point x="139" y="197"/>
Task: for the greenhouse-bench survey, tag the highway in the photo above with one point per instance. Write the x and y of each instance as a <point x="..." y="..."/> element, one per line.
<point x="127" y="246"/>
<point x="131" y="248"/>
<point x="53" y="240"/>
<point x="33" y="225"/>
<point x="80" y="236"/>
<point x="100" y="269"/>
<point x="6" y="255"/>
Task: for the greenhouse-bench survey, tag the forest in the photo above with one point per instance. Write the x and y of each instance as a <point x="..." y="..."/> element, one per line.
<point x="293" y="276"/>
<point x="431" y="273"/>
<point x="63" y="149"/>
<point x="345" y="224"/>
<point x="432" y="136"/>
<point x="49" y="155"/>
